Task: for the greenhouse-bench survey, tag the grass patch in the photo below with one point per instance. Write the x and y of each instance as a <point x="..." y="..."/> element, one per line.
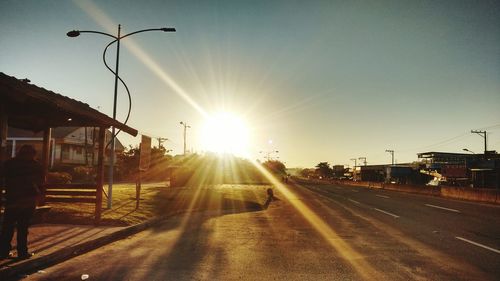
<point x="123" y="211"/>
<point x="157" y="199"/>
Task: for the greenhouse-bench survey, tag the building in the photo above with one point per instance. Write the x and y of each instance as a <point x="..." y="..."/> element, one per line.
<point x="401" y="174"/>
<point x="373" y="173"/>
<point x="69" y="146"/>
<point x="338" y="171"/>
<point x="460" y="169"/>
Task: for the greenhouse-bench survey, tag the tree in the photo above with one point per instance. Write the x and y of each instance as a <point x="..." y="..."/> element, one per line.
<point x="275" y="166"/>
<point x="128" y="164"/>
<point x="307" y="173"/>
<point x="323" y="170"/>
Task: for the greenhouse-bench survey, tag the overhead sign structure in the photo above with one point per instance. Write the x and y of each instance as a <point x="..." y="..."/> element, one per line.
<point x="144" y="162"/>
<point x="145" y="155"/>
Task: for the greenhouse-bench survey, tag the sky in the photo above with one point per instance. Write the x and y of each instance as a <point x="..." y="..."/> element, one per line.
<point x="318" y="81"/>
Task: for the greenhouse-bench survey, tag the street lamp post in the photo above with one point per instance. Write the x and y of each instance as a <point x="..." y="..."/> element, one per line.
<point x="117" y="39"/>
<point x="392" y="154"/>
<point x="185" y="127"/>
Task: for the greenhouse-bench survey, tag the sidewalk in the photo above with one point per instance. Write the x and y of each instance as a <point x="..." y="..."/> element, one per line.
<point x="53" y="243"/>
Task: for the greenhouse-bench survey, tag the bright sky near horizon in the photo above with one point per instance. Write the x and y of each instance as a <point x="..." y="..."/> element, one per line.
<point x="315" y="80"/>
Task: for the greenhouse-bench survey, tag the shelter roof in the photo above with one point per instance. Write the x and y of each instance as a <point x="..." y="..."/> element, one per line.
<point x="34" y="108"/>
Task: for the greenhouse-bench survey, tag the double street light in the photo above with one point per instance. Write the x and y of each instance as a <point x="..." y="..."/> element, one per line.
<point x="185" y="128"/>
<point x="117" y="39"/>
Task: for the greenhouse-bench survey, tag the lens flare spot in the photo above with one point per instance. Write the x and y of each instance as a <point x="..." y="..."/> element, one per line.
<point x="225" y="132"/>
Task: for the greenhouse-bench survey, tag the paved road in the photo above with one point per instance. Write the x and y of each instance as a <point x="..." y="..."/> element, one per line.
<point x="310" y="233"/>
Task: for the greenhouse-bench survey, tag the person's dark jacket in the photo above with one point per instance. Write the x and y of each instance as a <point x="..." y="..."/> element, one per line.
<point x="23" y="180"/>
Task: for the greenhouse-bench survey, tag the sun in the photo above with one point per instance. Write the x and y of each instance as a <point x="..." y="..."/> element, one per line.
<point x="225" y="132"/>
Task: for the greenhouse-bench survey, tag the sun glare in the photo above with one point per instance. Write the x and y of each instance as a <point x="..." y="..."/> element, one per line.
<point x="225" y="132"/>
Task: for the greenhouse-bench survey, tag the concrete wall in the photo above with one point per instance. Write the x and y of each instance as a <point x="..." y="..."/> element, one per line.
<point x="471" y="194"/>
<point x="420" y="189"/>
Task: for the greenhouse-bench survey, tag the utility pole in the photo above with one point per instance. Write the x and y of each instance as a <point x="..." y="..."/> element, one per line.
<point x="185" y="127"/>
<point x="392" y="154"/>
<point x="355" y="162"/>
<point x="268" y="154"/>
<point x="354" y="168"/>
<point x="160" y="141"/>
<point x="364" y="160"/>
<point x="482" y="134"/>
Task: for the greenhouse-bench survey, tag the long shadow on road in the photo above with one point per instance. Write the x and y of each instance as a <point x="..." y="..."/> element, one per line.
<point x="192" y="245"/>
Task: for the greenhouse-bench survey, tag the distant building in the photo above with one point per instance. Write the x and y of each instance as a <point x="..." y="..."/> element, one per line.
<point x="400" y="174"/>
<point x="338" y="171"/>
<point x="373" y="173"/>
<point x="406" y="174"/>
<point x="460" y="169"/>
<point x="70" y="146"/>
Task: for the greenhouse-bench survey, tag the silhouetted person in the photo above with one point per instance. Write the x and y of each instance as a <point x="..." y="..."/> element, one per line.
<point x="270" y="197"/>
<point x="23" y="179"/>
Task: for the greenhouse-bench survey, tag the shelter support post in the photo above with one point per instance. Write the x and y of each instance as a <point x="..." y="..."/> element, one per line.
<point x="3" y="146"/>
<point x="45" y="159"/>
<point x="100" y="174"/>
<point x="3" y="136"/>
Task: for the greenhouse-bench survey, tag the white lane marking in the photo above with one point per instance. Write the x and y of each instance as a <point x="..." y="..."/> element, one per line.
<point x="354" y="201"/>
<point x="354" y="190"/>
<point x="383" y="196"/>
<point x="387" y="213"/>
<point x="479" y="245"/>
<point x="439" y="207"/>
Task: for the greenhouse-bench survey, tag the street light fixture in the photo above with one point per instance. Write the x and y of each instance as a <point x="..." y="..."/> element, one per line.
<point x="76" y="33"/>
<point x="465" y="149"/>
<point x="185" y="127"/>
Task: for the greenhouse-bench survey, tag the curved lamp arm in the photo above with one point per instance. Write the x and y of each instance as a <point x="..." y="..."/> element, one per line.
<point x="75" y="33"/>
<point x="164" y="29"/>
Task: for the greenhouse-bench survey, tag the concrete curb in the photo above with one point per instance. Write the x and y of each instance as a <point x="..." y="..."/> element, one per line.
<point x="36" y="263"/>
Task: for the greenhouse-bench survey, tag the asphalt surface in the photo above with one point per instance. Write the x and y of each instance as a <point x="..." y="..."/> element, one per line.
<point x="309" y="233"/>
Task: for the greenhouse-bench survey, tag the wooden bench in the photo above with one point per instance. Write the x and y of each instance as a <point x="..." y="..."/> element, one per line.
<point x="71" y="193"/>
<point x="75" y="193"/>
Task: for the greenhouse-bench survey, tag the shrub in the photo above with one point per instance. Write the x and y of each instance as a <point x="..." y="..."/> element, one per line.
<point x="59" y="177"/>
<point x="83" y="174"/>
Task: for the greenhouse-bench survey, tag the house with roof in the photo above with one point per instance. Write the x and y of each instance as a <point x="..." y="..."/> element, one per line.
<point x="69" y="146"/>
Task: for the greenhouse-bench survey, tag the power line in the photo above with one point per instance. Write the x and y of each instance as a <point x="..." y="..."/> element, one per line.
<point x="490" y="127"/>
<point x="452" y="139"/>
